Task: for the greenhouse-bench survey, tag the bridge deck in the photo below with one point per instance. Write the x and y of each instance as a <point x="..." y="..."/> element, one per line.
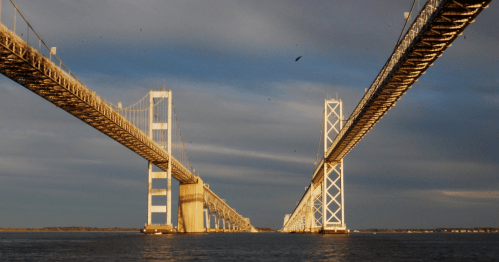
<point x="26" y="66"/>
<point x="436" y="27"/>
<point x="438" y="24"/>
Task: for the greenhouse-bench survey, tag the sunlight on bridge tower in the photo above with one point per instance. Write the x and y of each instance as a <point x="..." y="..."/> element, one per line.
<point x="321" y="208"/>
<point x="332" y="200"/>
<point x="155" y="116"/>
<point x="159" y="113"/>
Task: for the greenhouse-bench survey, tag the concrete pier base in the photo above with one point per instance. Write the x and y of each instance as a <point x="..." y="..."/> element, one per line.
<point x="212" y="230"/>
<point x="335" y="231"/>
<point x="311" y="231"/>
<point x="154" y="229"/>
<point x="190" y="208"/>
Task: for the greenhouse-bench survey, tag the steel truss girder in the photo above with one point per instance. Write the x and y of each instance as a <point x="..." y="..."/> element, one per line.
<point x="438" y="24"/>
<point x="29" y="68"/>
<point x="58" y="87"/>
<point x="427" y="30"/>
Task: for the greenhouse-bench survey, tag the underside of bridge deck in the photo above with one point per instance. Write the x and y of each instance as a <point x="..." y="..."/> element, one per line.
<point x="28" y="67"/>
<point x="438" y="24"/>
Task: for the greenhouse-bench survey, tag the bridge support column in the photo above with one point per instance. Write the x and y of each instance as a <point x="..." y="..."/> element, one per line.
<point x="150" y="228"/>
<point x="309" y="213"/>
<point x="333" y="214"/>
<point x="309" y="221"/>
<point x="206" y="211"/>
<point x="215" y="216"/>
<point x="224" y="222"/>
<point x="155" y="127"/>
<point x="190" y="208"/>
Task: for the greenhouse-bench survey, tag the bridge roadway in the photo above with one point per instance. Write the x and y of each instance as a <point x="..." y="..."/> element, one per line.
<point x="29" y="68"/>
<point x="438" y="24"/>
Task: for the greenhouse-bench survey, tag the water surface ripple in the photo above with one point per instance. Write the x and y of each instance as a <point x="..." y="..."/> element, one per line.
<point x="112" y="246"/>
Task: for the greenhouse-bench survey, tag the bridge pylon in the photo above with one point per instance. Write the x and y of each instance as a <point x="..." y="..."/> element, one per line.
<point x="156" y="127"/>
<point x="321" y="208"/>
<point x="332" y="190"/>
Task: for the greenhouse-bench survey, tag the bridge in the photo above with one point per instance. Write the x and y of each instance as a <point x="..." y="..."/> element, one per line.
<point x="440" y="22"/>
<point x="148" y="128"/>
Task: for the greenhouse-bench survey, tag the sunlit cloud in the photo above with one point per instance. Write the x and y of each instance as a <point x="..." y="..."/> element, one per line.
<point x="472" y="194"/>
<point x="251" y="154"/>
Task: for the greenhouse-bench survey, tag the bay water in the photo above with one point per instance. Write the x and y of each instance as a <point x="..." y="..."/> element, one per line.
<point x="126" y="246"/>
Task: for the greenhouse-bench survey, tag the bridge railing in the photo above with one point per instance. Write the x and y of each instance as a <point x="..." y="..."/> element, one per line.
<point x="430" y="12"/>
<point x="27" y="66"/>
<point x="431" y="7"/>
<point x="42" y="47"/>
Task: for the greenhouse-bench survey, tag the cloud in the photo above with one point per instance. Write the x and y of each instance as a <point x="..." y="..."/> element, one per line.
<point x="248" y="175"/>
<point x="250" y="154"/>
<point x="473" y="194"/>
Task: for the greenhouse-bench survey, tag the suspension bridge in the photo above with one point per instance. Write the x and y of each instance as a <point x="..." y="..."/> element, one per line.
<point x="439" y="23"/>
<point x="149" y="128"/>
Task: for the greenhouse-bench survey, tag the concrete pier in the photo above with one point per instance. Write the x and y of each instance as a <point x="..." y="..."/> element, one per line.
<point x="335" y="231"/>
<point x="158" y="229"/>
<point x="190" y="208"/>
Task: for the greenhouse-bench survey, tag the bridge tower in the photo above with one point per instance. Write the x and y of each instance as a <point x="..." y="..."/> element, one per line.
<point x="332" y="190"/>
<point x="160" y="119"/>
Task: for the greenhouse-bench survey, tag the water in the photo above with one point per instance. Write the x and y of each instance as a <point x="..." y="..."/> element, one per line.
<point x="91" y="246"/>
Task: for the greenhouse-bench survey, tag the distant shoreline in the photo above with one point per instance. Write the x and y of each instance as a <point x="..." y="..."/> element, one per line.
<point x="436" y="230"/>
<point x="69" y="229"/>
<point x="260" y="229"/>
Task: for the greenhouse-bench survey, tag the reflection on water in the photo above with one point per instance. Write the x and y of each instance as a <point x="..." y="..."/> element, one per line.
<point x="168" y="247"/>
<point x="84" y="246"/>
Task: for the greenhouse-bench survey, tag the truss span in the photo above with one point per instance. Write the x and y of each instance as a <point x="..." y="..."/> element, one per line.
<point x="26" y="66"/>
<point x="438" y="24"/>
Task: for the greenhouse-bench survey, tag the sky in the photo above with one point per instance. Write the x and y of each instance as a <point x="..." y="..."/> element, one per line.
<point x="250" y="115"/>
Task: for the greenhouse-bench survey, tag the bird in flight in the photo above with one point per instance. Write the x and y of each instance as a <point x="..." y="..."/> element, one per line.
<point x="298" y="58"/>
